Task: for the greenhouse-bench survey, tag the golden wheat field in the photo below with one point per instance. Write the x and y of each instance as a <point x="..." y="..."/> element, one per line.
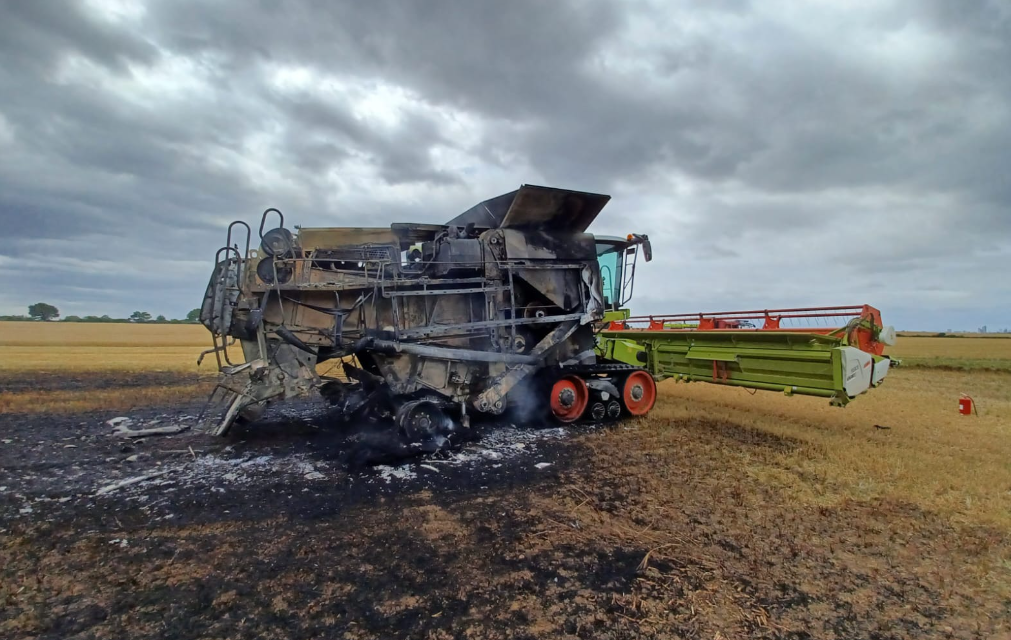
<point x="967" y="353"/>
<point x="71" y="346"/>
<point x="904" y="440"/>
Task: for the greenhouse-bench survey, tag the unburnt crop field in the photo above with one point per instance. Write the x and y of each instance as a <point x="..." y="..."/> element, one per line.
<point x="989" y="353"/>
<point x="68" y="367"/>
<point x="721" y="515"/>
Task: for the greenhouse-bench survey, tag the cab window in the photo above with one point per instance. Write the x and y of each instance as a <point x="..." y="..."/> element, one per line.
<point x="610" y="274"/>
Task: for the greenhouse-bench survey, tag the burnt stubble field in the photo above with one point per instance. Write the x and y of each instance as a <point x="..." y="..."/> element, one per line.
<point x="718" y="516"/>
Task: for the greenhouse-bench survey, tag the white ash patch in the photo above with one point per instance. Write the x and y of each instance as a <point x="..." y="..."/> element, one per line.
<point x="156" y="485"/>
<point x="496" y="445"/>
<point x="388" y="473"/>
<point x="220" y="472"/>
<point x="504" y="443"/>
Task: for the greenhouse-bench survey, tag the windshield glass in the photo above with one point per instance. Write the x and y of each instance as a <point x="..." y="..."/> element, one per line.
<point x="610" y="273"/>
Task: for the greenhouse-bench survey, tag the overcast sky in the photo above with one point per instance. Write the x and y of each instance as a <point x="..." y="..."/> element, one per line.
<point x="776" y="152"/>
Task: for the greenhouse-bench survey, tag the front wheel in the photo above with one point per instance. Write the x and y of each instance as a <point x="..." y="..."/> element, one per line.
<point x="638" y="393"/>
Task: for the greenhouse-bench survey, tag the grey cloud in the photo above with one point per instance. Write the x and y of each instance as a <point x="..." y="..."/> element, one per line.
<point x="495" y="57"/>
<point x="402" y="153"/>
<point x="35" y="35"/>
<point x="767" y="154"/>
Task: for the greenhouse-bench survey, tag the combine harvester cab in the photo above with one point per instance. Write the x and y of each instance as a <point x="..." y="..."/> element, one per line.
<point x="423" y="326"/>
<point x="831" y="352"/>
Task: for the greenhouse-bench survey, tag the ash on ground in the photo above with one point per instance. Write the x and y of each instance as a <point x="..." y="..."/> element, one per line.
<point x="97" y="461"/>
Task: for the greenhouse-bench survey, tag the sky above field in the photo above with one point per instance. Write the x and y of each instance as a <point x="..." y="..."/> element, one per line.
<point x="777" y="153"/>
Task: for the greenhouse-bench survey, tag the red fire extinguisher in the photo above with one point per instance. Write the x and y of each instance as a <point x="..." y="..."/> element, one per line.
<point x="966" y="406"/>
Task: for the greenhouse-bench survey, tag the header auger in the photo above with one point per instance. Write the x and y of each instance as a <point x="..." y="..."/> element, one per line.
<point x="511" y="306"/>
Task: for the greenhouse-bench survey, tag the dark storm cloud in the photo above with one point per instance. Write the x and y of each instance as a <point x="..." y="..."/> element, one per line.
<point x="864" y="147"/>
<point x="510" y="59"/>
<point x="402" y="153"/>
<point x="35" y="35"/>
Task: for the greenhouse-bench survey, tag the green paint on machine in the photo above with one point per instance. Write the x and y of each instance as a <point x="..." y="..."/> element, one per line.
<point x="819" y="362"/>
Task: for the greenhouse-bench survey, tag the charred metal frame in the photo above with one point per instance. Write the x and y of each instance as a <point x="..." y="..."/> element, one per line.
<point x="453" y="315"/>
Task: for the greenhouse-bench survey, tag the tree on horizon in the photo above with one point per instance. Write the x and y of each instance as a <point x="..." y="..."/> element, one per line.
<point x="43" y="311"/>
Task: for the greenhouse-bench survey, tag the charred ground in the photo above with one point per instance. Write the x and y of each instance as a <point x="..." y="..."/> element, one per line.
<point x="652" y="528"/>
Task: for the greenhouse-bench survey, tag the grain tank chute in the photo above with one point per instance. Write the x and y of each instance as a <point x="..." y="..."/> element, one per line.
<point x="430" y="324"/>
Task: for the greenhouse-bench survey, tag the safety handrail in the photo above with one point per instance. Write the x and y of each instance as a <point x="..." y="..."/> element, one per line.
<point x="223" y="282"/>
<point x="263" y="219"/>
<point x="242" y="262"/>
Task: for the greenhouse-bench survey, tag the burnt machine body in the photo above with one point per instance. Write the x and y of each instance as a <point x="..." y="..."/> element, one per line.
<point x="425" y="325"/>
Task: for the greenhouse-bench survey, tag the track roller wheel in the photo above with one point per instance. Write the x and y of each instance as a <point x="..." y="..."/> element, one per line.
<point x="569" y="397"/>
<point x="639" y="393"/>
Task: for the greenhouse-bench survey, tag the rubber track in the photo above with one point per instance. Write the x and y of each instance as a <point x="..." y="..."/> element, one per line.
<point x="599" y="368"/>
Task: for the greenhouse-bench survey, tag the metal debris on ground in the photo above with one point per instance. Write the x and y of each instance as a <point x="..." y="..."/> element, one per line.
<point x="124" y="431"/>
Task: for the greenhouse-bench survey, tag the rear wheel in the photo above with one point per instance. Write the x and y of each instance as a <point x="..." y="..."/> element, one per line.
<point x="569" y="397"/>
<point x="638" y="393"/>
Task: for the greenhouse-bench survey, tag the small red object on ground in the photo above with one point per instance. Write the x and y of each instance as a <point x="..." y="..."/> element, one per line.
<point x="965" y="405"/>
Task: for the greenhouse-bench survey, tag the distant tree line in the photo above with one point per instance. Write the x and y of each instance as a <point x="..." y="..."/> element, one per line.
<point x="45" y="312"/>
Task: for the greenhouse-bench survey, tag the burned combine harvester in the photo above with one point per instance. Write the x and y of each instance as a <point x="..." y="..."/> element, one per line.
<point x="429" y="325"/>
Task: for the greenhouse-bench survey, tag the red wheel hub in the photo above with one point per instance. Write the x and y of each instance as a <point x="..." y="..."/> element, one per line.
<point x="569" y="397"/>
<point x="639" y="393"/>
